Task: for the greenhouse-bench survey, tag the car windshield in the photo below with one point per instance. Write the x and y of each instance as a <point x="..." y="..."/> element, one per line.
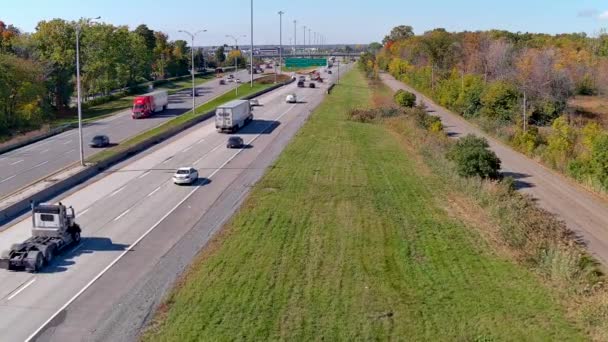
<point x="138" y="107"/>
<point x="183" y="172"/>
<point x="98" y="138"/>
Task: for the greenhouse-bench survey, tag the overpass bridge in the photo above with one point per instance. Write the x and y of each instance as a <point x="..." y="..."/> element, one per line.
<point x="310" y="55"/>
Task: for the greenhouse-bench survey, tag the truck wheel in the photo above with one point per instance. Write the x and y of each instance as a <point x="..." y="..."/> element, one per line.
<point x="35" y="262"/>
<point x="50" y="252"/>
<point x="76" y="237"/>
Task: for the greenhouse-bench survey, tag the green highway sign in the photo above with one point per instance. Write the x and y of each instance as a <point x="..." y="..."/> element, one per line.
<point x="305" y="62"/>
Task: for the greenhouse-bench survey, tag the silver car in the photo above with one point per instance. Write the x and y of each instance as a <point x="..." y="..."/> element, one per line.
<point x="185" y="175"/>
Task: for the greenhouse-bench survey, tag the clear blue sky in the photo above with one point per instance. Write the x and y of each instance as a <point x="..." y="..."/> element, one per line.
<point x="340" y="21"/>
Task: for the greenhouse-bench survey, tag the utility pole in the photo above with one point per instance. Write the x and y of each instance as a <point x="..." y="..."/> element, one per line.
<point x="192" y="63"/>
<point x="304" y="42"/>
<point x="78" y="90"/>
<point x="295" y="36"/>
<point x="280" y="44"/>
<point x="309" y="36"/>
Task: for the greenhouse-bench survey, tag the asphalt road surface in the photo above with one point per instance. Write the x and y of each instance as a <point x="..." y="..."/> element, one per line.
<point x="25" y="165"/>
<point x="140" y="230"/>
<point x="584" y="212"/>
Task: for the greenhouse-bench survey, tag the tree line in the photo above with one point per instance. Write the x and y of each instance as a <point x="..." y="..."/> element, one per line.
<point x="516" y="85"/>
<point x="37" y="70"/>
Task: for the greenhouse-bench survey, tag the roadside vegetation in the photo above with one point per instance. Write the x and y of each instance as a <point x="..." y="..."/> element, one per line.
<point x="487" y="76"/>
<point x="37" y="70"/>
<point x="364" y="230"/>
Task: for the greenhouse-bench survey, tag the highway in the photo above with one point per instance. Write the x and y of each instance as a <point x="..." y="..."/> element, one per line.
<point x="21" y="167"/>
<point x="135" y="219"/>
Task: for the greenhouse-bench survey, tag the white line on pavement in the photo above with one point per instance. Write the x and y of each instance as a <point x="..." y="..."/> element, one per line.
<point x="143" y="175"/>
<point x="25" y="286"/>
<point x="70" y="151"/>
<point x="123" y="214"/>
<point x="187" y="149"/>
<point x="116" y="192"/>
<point x="45" y="151"/>
<point x="40" y="164"/>
<point x="83" y="212"/>
<point x="206" y="154"/>
<point x="67" y="142"/>
<point x="8" y="178"/>
<point x="153" y="192"/>
<point x="17" y="162"/>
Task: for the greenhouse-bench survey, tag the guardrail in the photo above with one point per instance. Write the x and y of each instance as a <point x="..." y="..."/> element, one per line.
<point x="23" y="205"/>
<point x="25" y="142"/>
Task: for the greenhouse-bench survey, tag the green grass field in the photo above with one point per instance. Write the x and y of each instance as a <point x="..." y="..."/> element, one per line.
<point x="345" y="239"/>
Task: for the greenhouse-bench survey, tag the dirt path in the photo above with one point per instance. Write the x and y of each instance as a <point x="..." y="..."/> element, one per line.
<point x="582" y="211"/>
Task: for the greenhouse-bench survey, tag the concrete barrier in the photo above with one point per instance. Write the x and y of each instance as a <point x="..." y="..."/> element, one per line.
<point x="22" y="206"/>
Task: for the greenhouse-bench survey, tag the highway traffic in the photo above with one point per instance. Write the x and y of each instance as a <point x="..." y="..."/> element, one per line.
<point x="119" y="212"/>
<point x="25" y="165"/>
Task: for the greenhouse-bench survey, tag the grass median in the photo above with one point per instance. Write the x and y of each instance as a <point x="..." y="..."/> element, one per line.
<point x="345" y="239"/>
<point x="244" y="90"/>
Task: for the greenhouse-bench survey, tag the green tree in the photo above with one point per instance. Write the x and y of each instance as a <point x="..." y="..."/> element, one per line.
<point x="55" y="45"/>
<point x="499" y="101"/>
<point x="398" y="33"/>
<point x="147" y="35"/>
<point x="560" y="143"/>
<point x="474" y="158"/>
<point x="374" y="47"/>
<point x="220" y="56"/>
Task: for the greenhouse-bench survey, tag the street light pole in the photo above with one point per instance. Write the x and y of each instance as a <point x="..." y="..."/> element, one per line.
<point x="78" y="90"/>
<point x="236" y="67"/>
<point x="251" y="52"/>
<point x="192" y="63"/>
<point x="304" y="42"/>
<point x="295" y="36"/>
<point x="280" y="44"/>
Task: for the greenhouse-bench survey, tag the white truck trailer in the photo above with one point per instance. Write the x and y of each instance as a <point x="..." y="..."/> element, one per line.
<point x="233" y="115"/>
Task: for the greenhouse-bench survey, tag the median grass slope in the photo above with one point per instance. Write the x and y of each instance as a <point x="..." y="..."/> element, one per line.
<point x="344" y="239"/>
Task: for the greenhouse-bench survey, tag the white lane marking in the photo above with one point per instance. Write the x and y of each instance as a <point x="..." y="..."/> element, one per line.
<point x="70" y="151"/>
<point x="17" y="162"/>
<point x="206" y="154"/>
<point x="187" y="149"/>
<point x="25" y="286"/>
<point x="83" y="212"/>
<point x="116" y="192"/>
<point x="118" y="258"/>
<point x="153" y="192"/>
<point x="45" y="151"/>
<point x="40" y="164"/>
<point x="67" y="142"/>
<point x="122" y="215"/>
<point x="8" y="178"/>
<point x="143" y="175"/>
<point x="200" y="141"/>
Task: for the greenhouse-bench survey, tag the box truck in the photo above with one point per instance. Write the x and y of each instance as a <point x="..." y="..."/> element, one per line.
<point x="145" y="105"/>
<point x="233" y="115"/>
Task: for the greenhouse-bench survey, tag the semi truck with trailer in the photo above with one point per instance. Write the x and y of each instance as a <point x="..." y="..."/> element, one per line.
<point x="233" y="115"/>
<point x="53" y="230"/>
<point x="145" y="105"/>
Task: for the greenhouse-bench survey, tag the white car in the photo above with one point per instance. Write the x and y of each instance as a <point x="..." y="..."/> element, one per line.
<point x="254" y="102"/>
<point x="291" y="98"/>
<point x="185" y="175"/>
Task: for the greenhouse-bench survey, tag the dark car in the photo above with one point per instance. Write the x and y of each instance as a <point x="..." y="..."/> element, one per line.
<point x="311" y="85"/>
<point x="329" y="72"/>
<point x="197" y="92"/>
<point x="235" y="142"/>
<point x="100" y="141"/>
<point x="300" y="84"/>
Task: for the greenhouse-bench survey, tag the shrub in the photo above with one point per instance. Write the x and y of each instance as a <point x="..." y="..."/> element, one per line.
<point x="499" y="101"/>
<point x="474" y="158"/>
<point x="560" y="143"/>
<point x="527" y="141"/>
<point x="405" y="98"/>
<point x="362" y="115"/>
<point x="599" y="160"/>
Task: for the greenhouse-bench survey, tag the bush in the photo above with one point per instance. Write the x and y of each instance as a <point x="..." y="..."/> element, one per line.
<point x="474" y="158"/>
<point x="560" y="143"/>
<point x="528" y="141"/>
<point x="499" y="101"/>
<point x="405" y="98"/>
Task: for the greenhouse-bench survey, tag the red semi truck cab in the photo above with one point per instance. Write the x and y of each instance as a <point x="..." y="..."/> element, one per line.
<point x="145" y="105"/>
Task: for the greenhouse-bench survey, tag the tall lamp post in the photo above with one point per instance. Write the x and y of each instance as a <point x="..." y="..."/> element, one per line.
<point x="78" y="90"/>
<point x="192" y="36"/>
<point x="280" y="44"/>
<point x="236" y="66"/>
<point x="251" y="52"/>
<point x="295" y="36"/>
